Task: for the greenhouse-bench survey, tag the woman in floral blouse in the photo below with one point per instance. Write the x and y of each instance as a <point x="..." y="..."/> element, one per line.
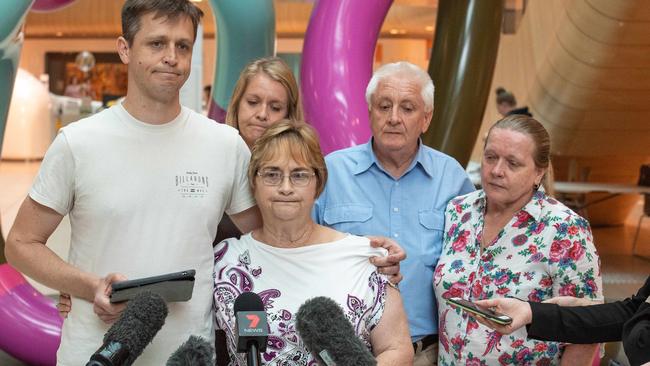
<point x="511" y="239"/>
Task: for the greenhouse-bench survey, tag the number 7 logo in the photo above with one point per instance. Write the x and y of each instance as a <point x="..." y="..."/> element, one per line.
<point x="254" y="320"/>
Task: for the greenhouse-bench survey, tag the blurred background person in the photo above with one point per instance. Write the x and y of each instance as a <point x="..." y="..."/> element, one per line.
<point x="77" y="89"/>
<point x="511" y="239"/>
<point x="291" y="258"/>
<point x="507" y="104"/>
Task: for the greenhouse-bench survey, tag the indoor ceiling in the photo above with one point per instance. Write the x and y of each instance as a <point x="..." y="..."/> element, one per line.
<point x="101" y="18"/>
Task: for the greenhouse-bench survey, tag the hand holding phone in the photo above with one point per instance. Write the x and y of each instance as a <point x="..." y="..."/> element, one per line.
<point x="472" y="308"/>
<point x="172" y="287"/>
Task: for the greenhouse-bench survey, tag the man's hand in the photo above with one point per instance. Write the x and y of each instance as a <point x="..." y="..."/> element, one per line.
<point x="518" y="310"/>
<point x="388" y="265"/>
<point x="102" y="306"/>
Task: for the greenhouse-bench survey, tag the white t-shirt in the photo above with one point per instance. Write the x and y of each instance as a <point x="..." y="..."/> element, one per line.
<point x="143" y="200"/>
<point x="286" y="278"/>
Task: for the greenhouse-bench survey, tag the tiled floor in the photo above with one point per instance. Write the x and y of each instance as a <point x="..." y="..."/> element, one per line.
<point x="622" y="273"/>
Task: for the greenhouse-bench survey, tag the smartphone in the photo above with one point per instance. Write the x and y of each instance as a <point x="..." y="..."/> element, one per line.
<point x="470" y="307"/>
<point x="172" y="287"/>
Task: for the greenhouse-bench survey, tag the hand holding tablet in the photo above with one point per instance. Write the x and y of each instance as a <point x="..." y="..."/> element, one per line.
<point x="172" y="287"/>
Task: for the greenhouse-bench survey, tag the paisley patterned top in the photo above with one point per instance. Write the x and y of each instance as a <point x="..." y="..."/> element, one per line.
<point x="545" y="250"/>
<point x="286" y="278"/>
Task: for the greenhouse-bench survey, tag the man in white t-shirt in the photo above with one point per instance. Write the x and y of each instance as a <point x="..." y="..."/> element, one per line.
<point x="144" y="184"/>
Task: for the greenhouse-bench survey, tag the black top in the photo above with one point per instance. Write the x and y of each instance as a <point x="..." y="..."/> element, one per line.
<point x="226" y="230"/>
<point x="627" y="320"/>
<point x="522" y="110"/>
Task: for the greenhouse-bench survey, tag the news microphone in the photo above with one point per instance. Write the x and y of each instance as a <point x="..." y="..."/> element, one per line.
<point x="328" y="334"/>
<point x="132" y="332"/>
<point x="252" y="327"/>
<point x="196" y="351"/>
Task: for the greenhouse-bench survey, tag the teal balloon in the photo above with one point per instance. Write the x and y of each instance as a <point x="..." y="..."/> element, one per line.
<point x="245" y="32"/>
<point x="12" y="16"/>
<point x="293" y="60"/>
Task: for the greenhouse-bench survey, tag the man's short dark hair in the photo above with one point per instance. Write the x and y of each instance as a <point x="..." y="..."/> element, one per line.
<point x="133" y="10"/>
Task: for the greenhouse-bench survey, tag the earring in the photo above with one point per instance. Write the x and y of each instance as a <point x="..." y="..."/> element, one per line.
<point x="535" y="187"/>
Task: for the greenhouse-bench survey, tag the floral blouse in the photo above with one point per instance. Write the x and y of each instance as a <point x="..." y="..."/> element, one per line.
<point x="545" y="250"/>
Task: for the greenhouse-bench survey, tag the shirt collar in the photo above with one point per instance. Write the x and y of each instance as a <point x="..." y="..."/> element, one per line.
<point x="369" y="158"/>
<point x="533" y="207"/>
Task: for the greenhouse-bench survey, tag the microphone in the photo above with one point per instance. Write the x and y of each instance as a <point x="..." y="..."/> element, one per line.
<point x="196" y="351"/>
<point x="252" y="327"/>
<point x="328" y="334"/>
<point x="132" y="332"/>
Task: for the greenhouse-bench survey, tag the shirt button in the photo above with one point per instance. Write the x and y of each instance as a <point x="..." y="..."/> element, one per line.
<point x="396" y="209"/>
<point x="396" y="235"/>
<point x="396" y="183"/>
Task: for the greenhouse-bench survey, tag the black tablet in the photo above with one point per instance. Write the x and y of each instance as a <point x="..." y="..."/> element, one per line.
<point x="172" y="287"/>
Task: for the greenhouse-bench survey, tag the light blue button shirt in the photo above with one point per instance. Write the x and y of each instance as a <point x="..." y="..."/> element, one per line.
<point x="361" y="198"/>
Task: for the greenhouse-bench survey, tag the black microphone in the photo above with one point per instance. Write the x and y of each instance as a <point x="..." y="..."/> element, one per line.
<point x="252" y="327"/>
<point x="196" y="351"/>
<point x="132" y="332"/>
<point x="328" y="334"/>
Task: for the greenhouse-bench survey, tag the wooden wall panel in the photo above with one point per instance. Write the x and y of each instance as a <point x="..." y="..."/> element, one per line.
<point x="611" y="28"/>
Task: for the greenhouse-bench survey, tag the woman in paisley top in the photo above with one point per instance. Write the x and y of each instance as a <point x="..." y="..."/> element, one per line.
<point x="511" y="239"/>
<point x="291" y="258"/>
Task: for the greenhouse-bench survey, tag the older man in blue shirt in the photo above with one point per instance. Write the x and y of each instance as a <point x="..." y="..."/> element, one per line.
<point x="395" y="186"/>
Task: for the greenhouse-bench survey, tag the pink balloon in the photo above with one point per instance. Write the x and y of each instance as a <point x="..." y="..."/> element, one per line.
<point x="336" y="67"/>
<point x="50" y="5"/>
<point x="31" y="325"/>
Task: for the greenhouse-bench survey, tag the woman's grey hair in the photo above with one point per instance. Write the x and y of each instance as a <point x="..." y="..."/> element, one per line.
<point x="417" y="74"/>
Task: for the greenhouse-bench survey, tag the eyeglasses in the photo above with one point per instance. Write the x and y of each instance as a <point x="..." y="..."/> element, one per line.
<point x="298" y="178"/>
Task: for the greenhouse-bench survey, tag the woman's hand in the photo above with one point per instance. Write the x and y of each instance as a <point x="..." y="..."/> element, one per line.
<point x="64" y="306"/>
<point x="388" y="265"/>
<point x="518" y="310"/>
<point x="102" y="306"/>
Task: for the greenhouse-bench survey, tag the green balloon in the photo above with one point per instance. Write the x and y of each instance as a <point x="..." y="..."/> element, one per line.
<point x="245" y="32"/>
<point x="12" y="16"/>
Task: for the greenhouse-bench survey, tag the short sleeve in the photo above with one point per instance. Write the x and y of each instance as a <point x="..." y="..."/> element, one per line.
<point x="242" y="198"/>
<point x="378" y="283"/>
<point x="53" y="187"/>
<point x="574" y="261"/>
